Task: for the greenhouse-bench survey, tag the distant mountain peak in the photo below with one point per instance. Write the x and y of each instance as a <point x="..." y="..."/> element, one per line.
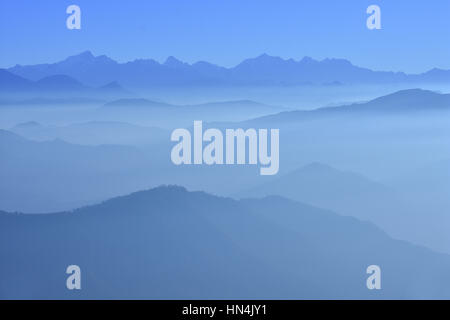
<point x="87" y="54"/>
<point x="413" y="90"/>
<point x="409" y="95"/>
<point x="204" y="63"/>
<point x="307" y="59"/>
<point x="261" y="62"/>
<point x="337" y="61"/>
<point x="146" y="196"/>
<point x="266" y="57"/>
<point x="113" y="87"/>
<point x="171" y="61"/>
<point x="143" y="62"/>
<point x="86" y="57"/>
<point x="83" y="56"/>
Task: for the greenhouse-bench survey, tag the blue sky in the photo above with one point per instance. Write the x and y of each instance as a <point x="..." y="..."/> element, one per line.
<point x="415" y="35"/>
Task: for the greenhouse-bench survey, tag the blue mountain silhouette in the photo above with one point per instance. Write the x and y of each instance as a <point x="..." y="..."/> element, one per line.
<point x="45" y="167"/>
<point x="157" y="113"/>
<point x="341" y="191"/>
<point x="12" y="82"/>
<point x="262" y="70"/>
<point x="53" y="83"/>
<point x="171" y="243"/>
<point x="60" y="82"/>
<point x="402" y="102"/>
<point x="93" y="133"/>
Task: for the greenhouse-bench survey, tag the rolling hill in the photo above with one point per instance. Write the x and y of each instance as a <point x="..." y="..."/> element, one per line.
<point x="156" y="113"/>
<point x="326" y="187"/>
<point x="93" y="133"/>
<point x="55" y="175"/>
<point x="404" y="102"/>
<point x="54" y="84"/>
<point x="168" y="243"/>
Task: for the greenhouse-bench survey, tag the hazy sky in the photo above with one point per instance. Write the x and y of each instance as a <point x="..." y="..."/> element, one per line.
<point x="415" y="35"/>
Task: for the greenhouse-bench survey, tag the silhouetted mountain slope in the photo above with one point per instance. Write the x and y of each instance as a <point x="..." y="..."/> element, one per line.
<point x="169" y="115"/>
<point x="268" y="69"/>
<point x="347" y="193"/>
<point x="51" y="101"/>
<point x="9" y="137"/>
<point x="12" y="82"/>
<point x="238" y="105"/>
<point x="404" y="102"/>
<point x="55" y="84"/>
<point x="135" y="102"/>
<point x="170" y="243"/>
<point x="262" y="70"/>
<point x="409" y="100"/>
<point x="83" y="63"/>
<point x="326" y="187"/>
<point x="94" y="133"/>
<point x="434" y="75"/>
<point x="68" y="174"/>
<point x="60" y="82"/>
<point x="113" y="88"/>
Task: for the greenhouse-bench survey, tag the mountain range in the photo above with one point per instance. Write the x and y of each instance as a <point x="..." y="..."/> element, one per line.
<point x="168" y="243"/>
<point x="262" y="70"/>
<point x="54" y="83"/>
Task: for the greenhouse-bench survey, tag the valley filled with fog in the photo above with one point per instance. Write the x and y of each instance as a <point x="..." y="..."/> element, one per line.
<point x="364" y="167"/>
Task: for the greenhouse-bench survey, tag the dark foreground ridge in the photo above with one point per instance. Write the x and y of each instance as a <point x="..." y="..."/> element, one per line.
<point x="168" y="243"/>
